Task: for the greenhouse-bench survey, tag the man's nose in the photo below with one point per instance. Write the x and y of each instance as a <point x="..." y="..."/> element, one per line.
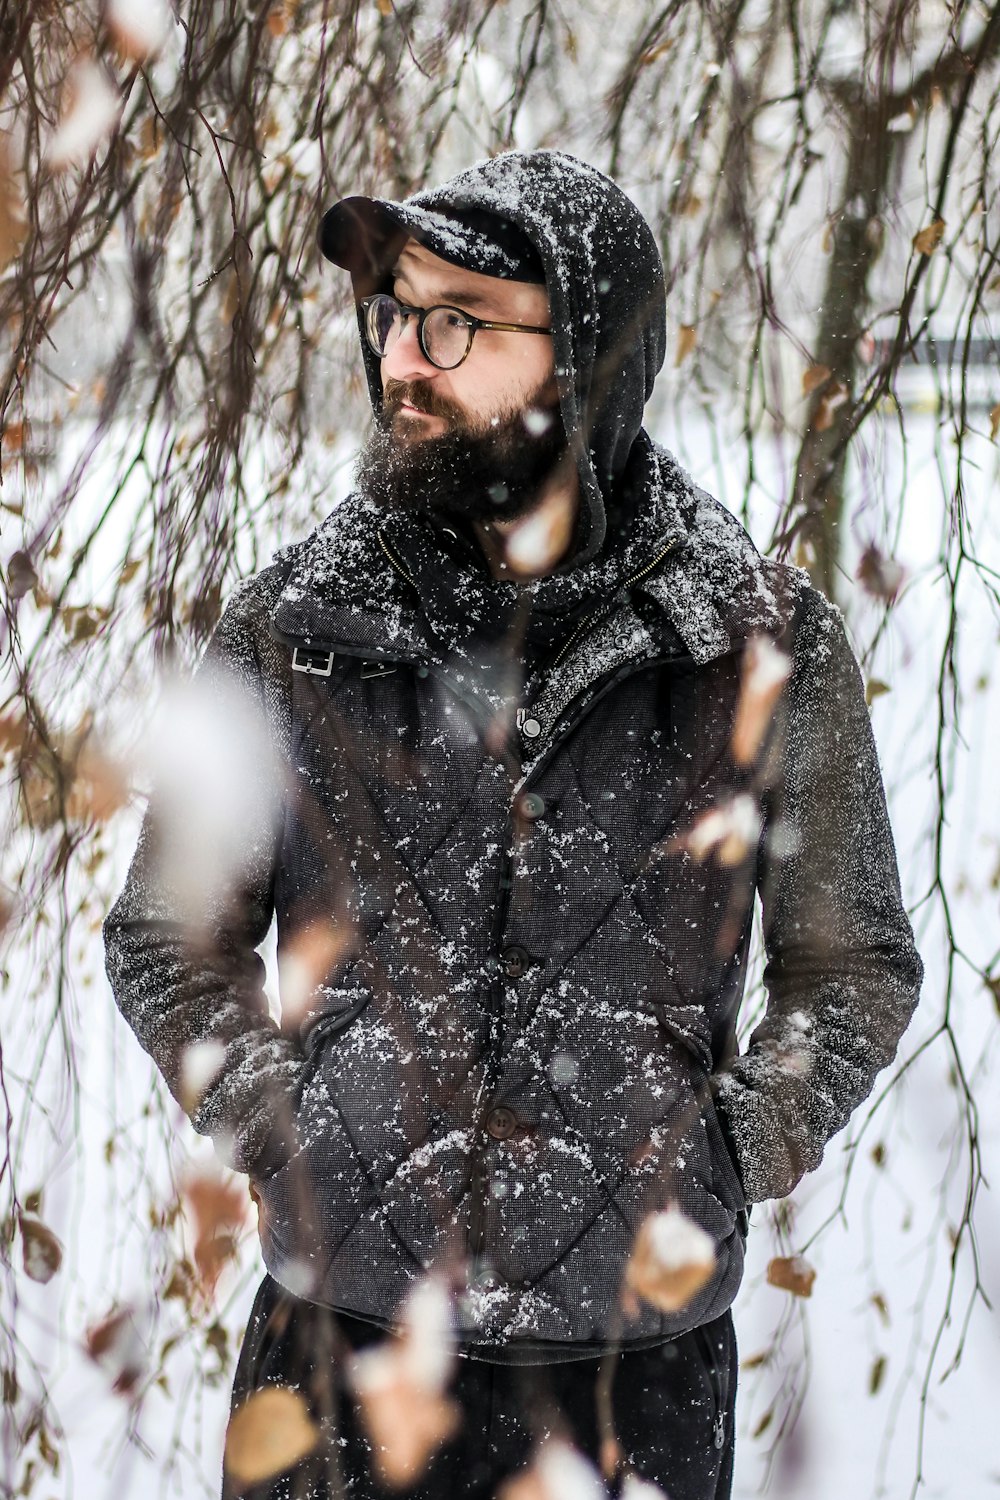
<point x="405" y="360"/>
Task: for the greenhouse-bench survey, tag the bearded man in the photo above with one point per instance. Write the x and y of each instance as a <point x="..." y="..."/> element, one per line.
<point x="551" y="724"/>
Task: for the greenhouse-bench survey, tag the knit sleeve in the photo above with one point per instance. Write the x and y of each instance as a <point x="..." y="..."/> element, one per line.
<point x="842" y="975"/>
<point x="181" y="940"/>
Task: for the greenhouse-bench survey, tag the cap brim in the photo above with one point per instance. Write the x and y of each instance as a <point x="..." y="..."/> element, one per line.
<point x="366" y="235"/>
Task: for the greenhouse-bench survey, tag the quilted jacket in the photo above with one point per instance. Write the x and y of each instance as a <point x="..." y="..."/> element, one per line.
<point x="523" y="1039"/>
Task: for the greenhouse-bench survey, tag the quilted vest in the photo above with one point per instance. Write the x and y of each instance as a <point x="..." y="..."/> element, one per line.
<point x="507" y="1066"/>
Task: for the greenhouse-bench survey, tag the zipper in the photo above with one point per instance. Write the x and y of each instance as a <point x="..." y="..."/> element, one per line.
<point x="403" y="571"/>
<point x="634" y="578"/>
<point x="711" y="1367"/>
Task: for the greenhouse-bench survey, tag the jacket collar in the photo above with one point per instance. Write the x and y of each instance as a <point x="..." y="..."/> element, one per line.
<point x="344" y="590"/>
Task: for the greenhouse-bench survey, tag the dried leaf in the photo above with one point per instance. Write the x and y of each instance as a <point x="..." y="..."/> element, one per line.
<point x="118" y="1347"/>
<point x="995" y="422"/>
<point x="875" y="1377"/>
<point x="271" y="1432"/>
<point x="90" y="113"/>
<point x="672" y="1259"/>
<point x="21" y="575"/>
<point x="687" y="339"/>
<point x="129" y="571"/>
<point x="766" y="669"/>
<point x="40" y="1250"/>
<point x="201" y="1064"/>
<point x="558" y="1472"/>
<point x="277" y="21"/>
<point x="405" y="1421"/>
<point x="764" y="1423"/>
<point x="309" y="958"/>
<point x="926" y="240"/>
<point x="99" y="786"/>
<point x="814" y="377"/>
<point x="792" y="1274"/>
<point x="219" y="1209"/>
<point x="13" y="225"/>
<point x="881" y="1307"/>
<point x="727" y="833"/>
<point x="875" y="688"/>
<point x="829" y="404"/>
<point x="533" y="544"/>
<point x="140" y="27"/>
<point x="880" y="575"/>
<point x="652" y="53"/>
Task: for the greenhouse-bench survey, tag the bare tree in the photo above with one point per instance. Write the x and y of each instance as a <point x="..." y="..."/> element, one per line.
<point x="178" y="383"/>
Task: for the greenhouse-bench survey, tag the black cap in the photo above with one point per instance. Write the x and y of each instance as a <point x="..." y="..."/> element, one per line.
<point x="366" y="235"/>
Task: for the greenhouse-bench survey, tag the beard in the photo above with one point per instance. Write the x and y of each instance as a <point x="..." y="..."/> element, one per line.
<point x="491" y="471"/>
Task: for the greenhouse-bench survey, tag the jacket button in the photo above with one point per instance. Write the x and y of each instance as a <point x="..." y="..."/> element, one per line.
<point x="531" y="729"/>
<point x="531" y="806"/>
<point x="501" y="1123"/>
<point x="515" y="961"/>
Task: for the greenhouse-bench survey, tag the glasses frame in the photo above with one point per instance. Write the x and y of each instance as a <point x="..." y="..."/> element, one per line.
<point x="423" y="313"/>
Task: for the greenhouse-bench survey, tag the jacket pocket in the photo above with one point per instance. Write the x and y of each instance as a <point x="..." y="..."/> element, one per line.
<point x="726" y="1171"/>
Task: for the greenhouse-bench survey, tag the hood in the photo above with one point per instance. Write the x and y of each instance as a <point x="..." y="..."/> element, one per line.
<point x="604" y="279"/>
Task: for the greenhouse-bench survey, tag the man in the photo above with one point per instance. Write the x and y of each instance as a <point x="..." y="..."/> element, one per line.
<point x="522" y="682"/>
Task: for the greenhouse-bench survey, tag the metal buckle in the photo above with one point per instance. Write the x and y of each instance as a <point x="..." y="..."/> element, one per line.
<point x="316" y="663"/>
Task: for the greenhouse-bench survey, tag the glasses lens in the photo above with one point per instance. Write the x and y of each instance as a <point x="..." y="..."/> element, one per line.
<point x="383" y="322"/>
<point x="446" y="337"/>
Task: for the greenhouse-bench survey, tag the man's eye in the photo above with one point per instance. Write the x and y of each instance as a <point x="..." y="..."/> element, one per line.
<point x="453" y="318"/>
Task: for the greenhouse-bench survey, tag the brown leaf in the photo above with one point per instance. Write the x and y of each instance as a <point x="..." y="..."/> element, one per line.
<point x="792" y="1274"/>
<point x="13" y="225"/>
<point x="406" y="1421"/>
<point x="875" y="688"/>
<point x="309" y="958"/>
<point x="829" y="404"/>
<point x="117" y="1346"/>
<point x="672" y="1259"/>
<point x="814" y="377"/>
<point x="21" y="575"/>
<point x="926" y="240"/>
<point x="277" y="21"/>
<point x="726" y="833"/>
<point x="992" y="983"/>
<point x="558" y="1472"/>
<point x="875" y="1377"/>
<point x="995" y="422"/>
<point x="766" y="669"/>
<point x="881" y="1307"/>
<point x="99" y="787"/>
<point x="271" y="1432"/>
<point x="218" y="1209"/>
<point x="40" y="1250"/>
<point x="130" y="569"/>
<point x="881" y="576"/>
<point x="652" y="53"/>
<point x="764" y="1423"/>
<point x="687" y="339"/>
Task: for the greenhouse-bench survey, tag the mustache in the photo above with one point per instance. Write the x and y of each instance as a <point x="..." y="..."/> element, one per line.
<point x="421" y="395"/>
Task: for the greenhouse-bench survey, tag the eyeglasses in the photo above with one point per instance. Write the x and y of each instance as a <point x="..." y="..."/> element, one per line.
<point x="445" y="333"/>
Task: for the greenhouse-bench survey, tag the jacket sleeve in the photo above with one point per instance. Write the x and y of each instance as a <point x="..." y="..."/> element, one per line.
<point x="181" y="940"/>
<point x="842" y="973"/>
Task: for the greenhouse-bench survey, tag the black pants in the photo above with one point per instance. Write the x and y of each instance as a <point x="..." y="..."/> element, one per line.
<point x="673" y="1409"/>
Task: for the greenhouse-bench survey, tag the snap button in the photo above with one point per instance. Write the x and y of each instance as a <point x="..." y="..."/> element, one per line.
<point x="501" y="1123"/>
<point x="515" y="961"/>
<point x="531" y="729"/>
<point x="531" y="806"/>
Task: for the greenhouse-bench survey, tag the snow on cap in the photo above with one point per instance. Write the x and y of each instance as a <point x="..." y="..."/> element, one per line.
<point x="365" y="236"/>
